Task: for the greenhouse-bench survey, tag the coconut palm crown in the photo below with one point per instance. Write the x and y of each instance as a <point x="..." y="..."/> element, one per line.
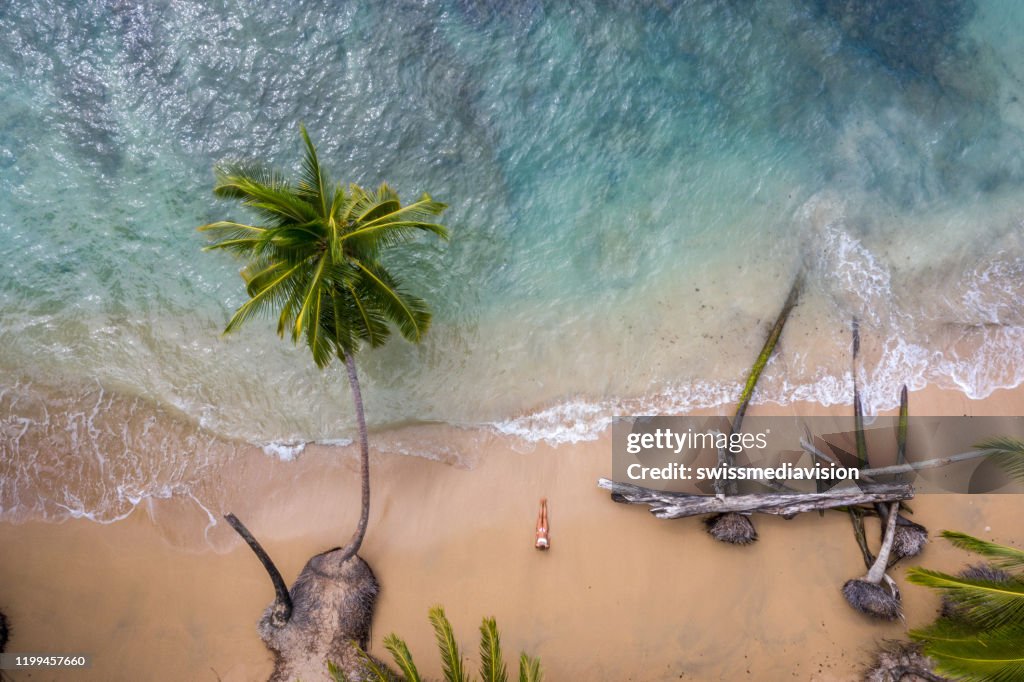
<point x="314" y="262"/>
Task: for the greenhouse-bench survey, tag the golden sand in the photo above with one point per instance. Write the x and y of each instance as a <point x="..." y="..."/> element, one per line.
<point x="620" y="596"/>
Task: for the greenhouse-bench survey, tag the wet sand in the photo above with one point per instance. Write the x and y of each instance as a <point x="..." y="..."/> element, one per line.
<point x="620" y="596"/>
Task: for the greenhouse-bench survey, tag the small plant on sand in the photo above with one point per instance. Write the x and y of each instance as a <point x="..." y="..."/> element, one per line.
<point x="492" y="663"/>
<point x="314" y="262"/>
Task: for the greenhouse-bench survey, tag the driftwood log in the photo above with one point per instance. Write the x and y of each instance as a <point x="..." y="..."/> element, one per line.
<point x="738" y="529"/>
<point x="774" y="334"/>
<point x="670" y="505"/>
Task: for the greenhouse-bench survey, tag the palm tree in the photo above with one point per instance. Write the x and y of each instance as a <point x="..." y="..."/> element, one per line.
<point x="313" y="260"/>
<point x="492" y="663"/>
<point x="980" y="634"/>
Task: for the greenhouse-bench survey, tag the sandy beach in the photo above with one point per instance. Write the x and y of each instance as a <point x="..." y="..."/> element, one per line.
<point x="620" y="596"/>
<point x="553" y="213"/>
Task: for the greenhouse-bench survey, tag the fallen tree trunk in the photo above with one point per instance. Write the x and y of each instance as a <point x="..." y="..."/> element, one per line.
<point x="669" y="505"/>
<point x="774" y="334"/>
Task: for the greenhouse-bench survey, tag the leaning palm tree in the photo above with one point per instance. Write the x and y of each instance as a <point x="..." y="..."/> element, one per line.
<point x="492" y="661"/>
<point x="314" y="261"/>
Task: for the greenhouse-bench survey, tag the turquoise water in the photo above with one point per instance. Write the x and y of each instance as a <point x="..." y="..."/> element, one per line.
<point x="632" y="189"/>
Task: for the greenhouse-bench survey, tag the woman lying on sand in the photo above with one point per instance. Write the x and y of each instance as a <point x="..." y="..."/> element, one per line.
<point x="542" y="526"/>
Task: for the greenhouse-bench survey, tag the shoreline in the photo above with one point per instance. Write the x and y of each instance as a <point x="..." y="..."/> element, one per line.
<point x="621" y="595"/>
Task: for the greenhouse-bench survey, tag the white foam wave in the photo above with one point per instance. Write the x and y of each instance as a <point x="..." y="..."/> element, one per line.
<point x="912" y="349"/>
<point x="284" y="451"/>
<point x="573" y="421"/>
<point x="335" y="442"/>
<point x="579" y="420"/>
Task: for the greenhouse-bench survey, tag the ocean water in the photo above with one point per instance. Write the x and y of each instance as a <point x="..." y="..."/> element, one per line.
<point x="632" y="187"/>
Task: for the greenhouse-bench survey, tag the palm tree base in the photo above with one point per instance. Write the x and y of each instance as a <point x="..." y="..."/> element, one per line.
<point x="332" y="609"/>
<point x="872" y="599"/>
<point x="909" y="540"/>
<point x="901" y="662"/>
<point x="736" y="529"/>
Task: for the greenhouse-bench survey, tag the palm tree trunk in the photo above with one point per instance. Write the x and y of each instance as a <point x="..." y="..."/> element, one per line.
<point x="882" y="561"/>
<point x="282" y="610"/>
<point x="364" y="460"/>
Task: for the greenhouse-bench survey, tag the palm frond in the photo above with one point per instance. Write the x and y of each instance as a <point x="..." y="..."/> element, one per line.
<point x="1005" y="444"/>
<point x="378" y="672"/>
<point x="241" y="247"/>
<point x="451" y="657"/>
<point x="386" y="235"/>
<point x="492" y="664"/>
<point x="358" y="199"/>
<point x="265" y="192"/>
<point x="343" y="274"/>
<point x="1001" y="556"/>
<point x="309" y="310"/>
<point x="310" y="235"/>
<point x="1007" y="453"/>
<point x="391" y="224"/>
<point x="984" y="602"/>
<point x="946" y="630"/>
<point x="418" y="211"/>
<point x="344" y="338"/>
<point x="319" y="338"/>
<point x="409" y="313"/>
<point x="336" y="673"/>
<point x="260" y="273"/>
<point x="287" y="316"/>
<point x="225" y="230"/>
<point x="273" y="292"/>
<point x="249" y="241"/>
<point x="313" y="183"/>
<point x="338" y="203"/>
<point x="370" y="325"/>
<point x="262" y="250"/>
<point x="529" y="669"/>
<point x="403" y="659"/>
<point x="353" y="316"/>
<point x="967" y="653"/>
<point x="378" y="203"/>
<point x="361" y="203"/>
<point x="251" y="173"/>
